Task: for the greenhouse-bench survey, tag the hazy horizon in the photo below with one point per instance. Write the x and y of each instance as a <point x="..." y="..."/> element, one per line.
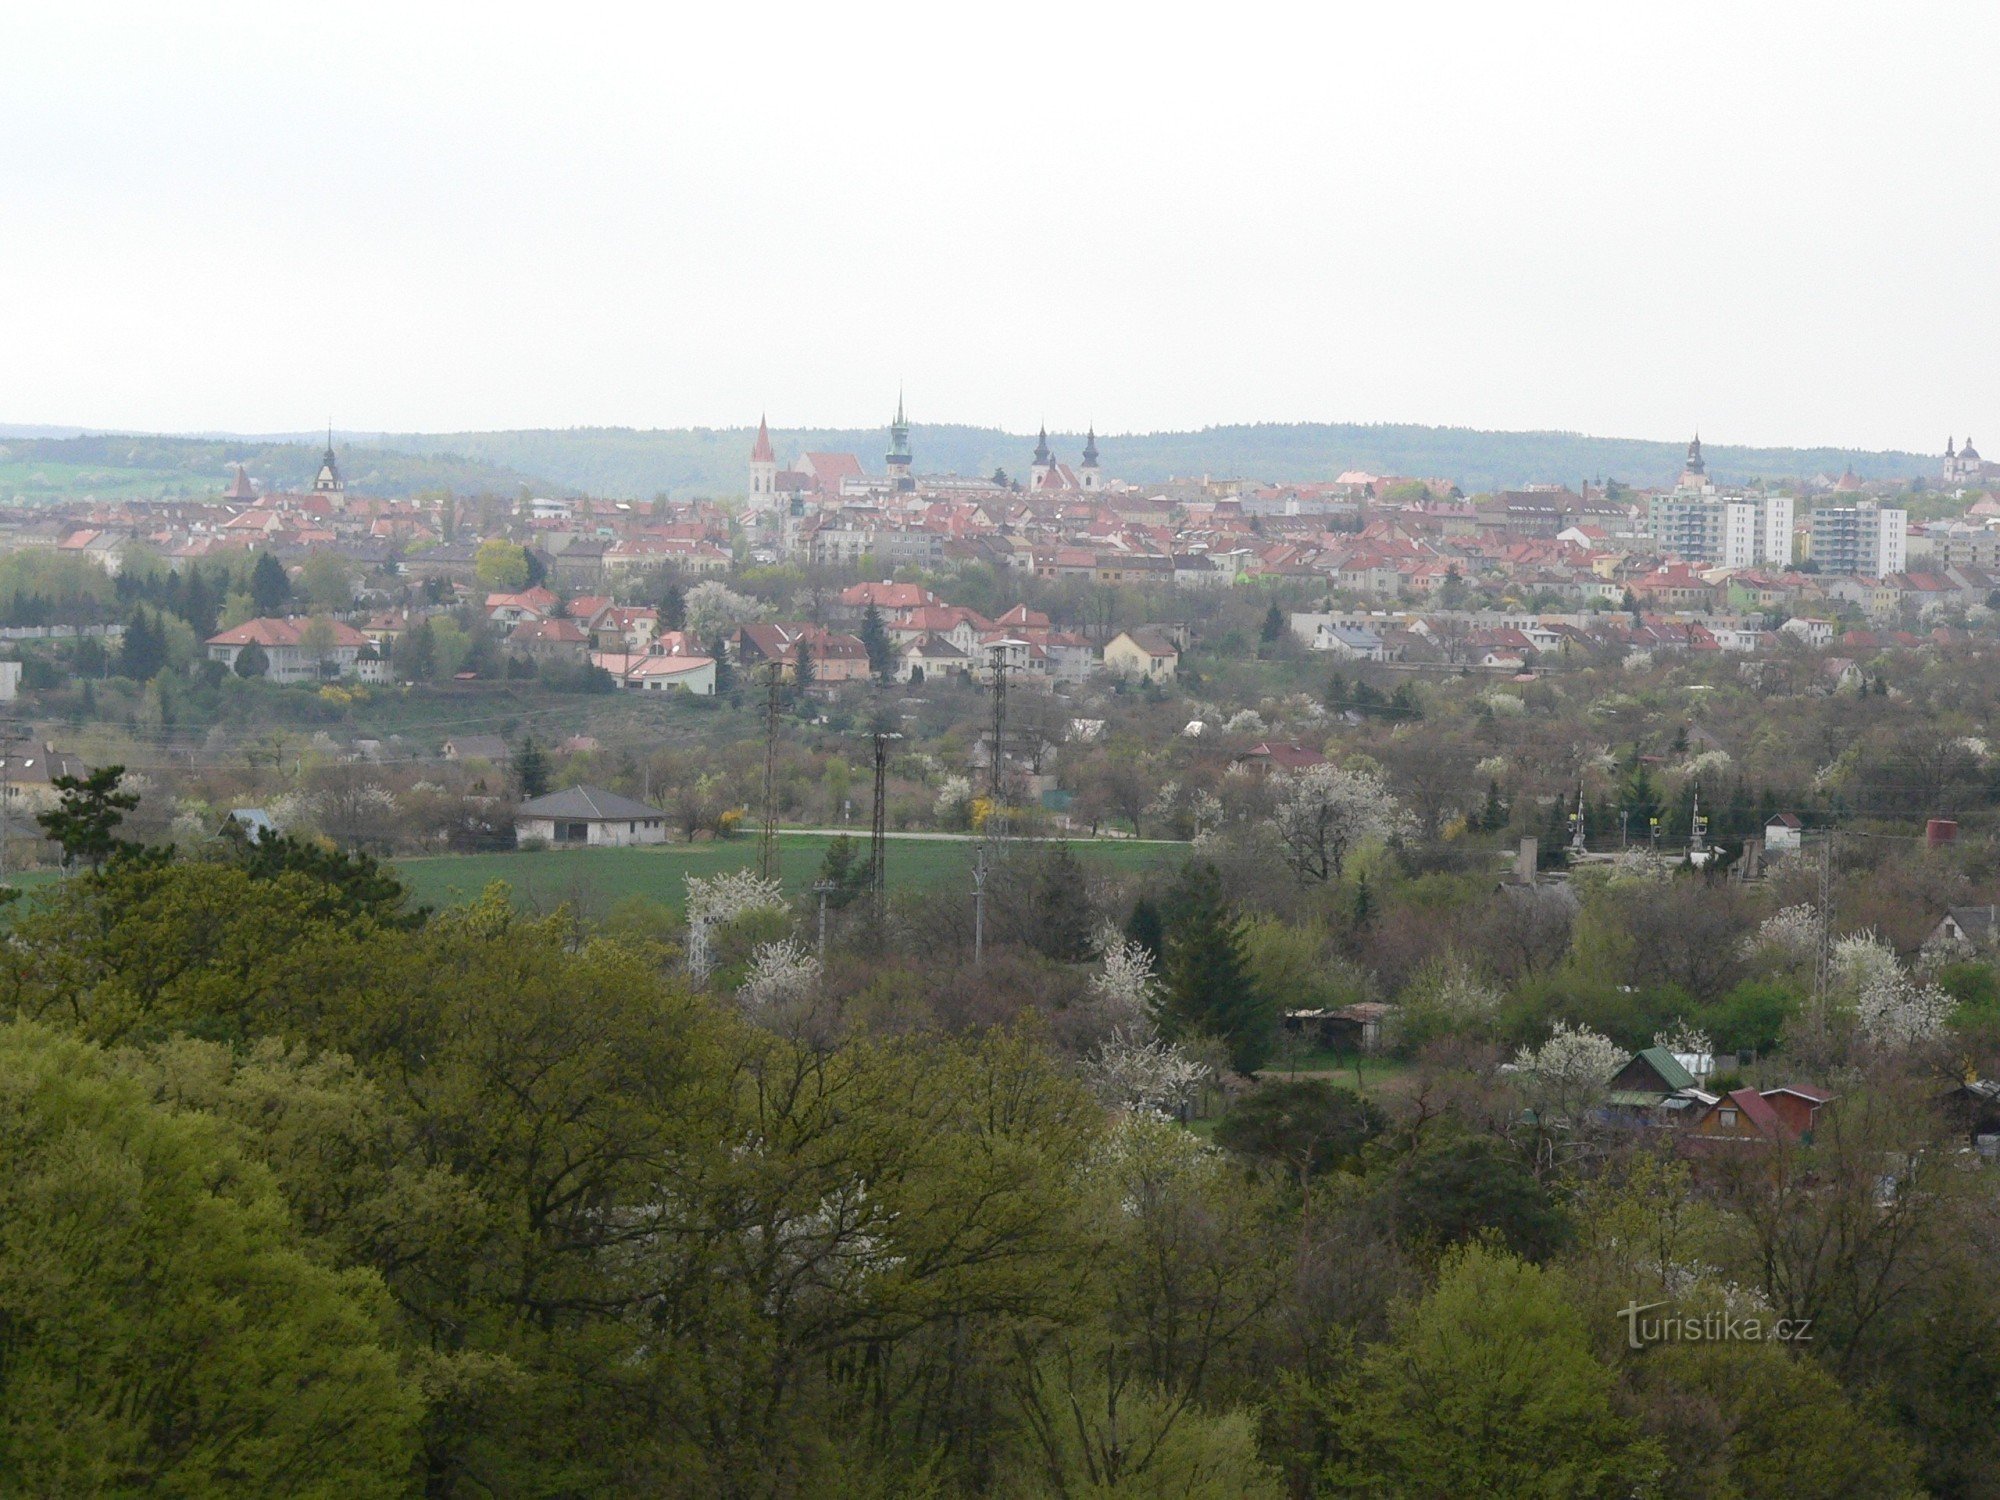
<point x="1771" y="227"/>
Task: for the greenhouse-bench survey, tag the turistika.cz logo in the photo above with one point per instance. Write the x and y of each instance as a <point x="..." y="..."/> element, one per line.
<point x="1708" y="1328"/>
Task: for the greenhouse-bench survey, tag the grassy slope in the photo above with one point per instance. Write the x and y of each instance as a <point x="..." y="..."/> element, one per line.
<point x="595" y="878"/>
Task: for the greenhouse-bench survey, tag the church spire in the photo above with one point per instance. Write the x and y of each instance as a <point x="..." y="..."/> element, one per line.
<point x="763" y="452"/>
<point x="1042" y="445"/>
<point x="1090" y="448"/>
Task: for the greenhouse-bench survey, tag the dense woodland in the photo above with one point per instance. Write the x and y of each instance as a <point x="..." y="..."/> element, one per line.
<point x="308" y="1192"/>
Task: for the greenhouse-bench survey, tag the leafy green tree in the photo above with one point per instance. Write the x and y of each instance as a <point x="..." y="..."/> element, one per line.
<point x="531" y="770"/>
<point x="270" y="585"/>
<point x="327" y="580"/>
<point x="414" y="654"/>
<point x="1305" y="1126"/>
<point x="166" y="1332"/>
<point x="501" y="565"/>
<point x="1462" y="1187"/>
<point x="356" y="885"/>
<point x="1488" y="1387"/>
<point x="89" y="811"/>
<point x="1208" y="990"/>
<point x="881" y="651"/>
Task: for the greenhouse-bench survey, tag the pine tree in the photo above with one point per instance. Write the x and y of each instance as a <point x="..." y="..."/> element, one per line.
<point x="270" y="587"/>
<point x="531" y="770"/>
<point x="673" y="608"/>
<point x="875" y="637"/>
<point x="804" y="669"/>
<point x="1146" y="928"/>
<point x="252" y="661"/>
<point x="725" y="674"/>
<point x="1363" y="913"/>
<point x="143" y="651"/>
<point x="199" y="603"/>
<point x="1062" y="907"/>
<point x="1274" y="625"/>
<point x="1208" y="989"/>
<point x="1493" y="816"/>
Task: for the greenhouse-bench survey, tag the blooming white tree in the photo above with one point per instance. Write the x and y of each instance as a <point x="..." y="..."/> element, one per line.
<point x="779" y="973"/>
<point x="1566" y="1077"/>
<point x="1790" y="935"/>
<point x="1892" y="1009"/>
<point x="954" y="802"/>
<point x="713" y="606"/>
<point x="716" y="900"/>
<point x="1684" y="1037"/>
<point x="1125" y="984"/>
<point x="1326" y="811"/>
<point x="1133" y="1069"/>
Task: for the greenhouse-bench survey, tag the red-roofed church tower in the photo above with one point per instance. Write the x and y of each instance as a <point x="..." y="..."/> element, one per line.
<point x="763" y="471"/>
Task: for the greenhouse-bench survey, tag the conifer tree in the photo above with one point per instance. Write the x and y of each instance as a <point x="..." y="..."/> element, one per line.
<point x="270" y="586"/>
<point x="875" y="637"/>
<point x="531" y="770"/>
<point x="1209" y="990"/>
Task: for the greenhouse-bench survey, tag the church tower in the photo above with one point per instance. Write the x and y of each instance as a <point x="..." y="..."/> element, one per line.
<point x="898" y="459"/>
<point x="1694" y="474"/>
<point x="1090" y="476"/>
<point x="763" y="471"/>
<point x="1044" y="460"/>
<point x="328" y="481"/>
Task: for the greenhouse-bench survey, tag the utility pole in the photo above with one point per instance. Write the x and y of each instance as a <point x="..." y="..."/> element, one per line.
<point x="1823" y="950"/>
<point x="767" y="847"/>
<point x="1624" y="827"/>
<point x="996" y="770"/>
<point x="823" y="889"/>
<point x="878" y="828"/>
<point x="979" y="907"/>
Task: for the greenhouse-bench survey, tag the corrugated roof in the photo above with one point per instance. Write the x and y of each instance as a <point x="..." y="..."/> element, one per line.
<point x="1664" y="1063"/>
<point x="587" y="802"/>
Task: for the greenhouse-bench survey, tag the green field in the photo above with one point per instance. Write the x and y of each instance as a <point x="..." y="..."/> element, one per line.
<point x="592" y="879"/>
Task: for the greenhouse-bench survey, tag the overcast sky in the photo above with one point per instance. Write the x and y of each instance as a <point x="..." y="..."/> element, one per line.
<point x="1778" y="222"/>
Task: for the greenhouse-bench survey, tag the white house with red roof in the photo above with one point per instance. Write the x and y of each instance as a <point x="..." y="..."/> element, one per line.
<point x="292" y="657"/>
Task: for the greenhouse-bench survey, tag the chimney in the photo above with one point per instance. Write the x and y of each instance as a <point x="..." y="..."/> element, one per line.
<point x="1752" y="866"/>
<point x="1524" y="862"/>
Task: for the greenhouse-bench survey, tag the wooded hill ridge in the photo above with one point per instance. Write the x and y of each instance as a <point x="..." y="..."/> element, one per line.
<point x="686" y="462"/>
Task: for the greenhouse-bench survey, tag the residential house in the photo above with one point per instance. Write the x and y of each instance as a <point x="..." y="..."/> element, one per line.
<point x="589" y="816"/>
<point x="296" y="650"/>
<point x="1142" y="654"/>
<point x="656" y="672"/>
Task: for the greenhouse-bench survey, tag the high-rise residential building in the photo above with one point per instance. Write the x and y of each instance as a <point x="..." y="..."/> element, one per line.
<point x="1699" y="524"/>
<point x="1864" y="538"/>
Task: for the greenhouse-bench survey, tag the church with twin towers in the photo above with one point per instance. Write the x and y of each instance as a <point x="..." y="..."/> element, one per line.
<point x="833" y="476"/>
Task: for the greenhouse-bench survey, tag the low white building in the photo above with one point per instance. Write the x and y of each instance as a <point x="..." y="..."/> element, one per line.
<point x="590" y="816"/>
<point x="294" y="652"/>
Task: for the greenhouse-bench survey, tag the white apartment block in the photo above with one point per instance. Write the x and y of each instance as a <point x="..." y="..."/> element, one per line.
<point x="1864" y="539"/>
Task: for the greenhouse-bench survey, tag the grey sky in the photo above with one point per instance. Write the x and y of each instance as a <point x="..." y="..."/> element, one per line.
<point x="1776" y="221"/>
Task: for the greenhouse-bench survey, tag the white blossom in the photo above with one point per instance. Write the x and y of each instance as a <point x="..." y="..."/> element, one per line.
<point x="779" y="973"/>
<point x="717" y="900"/>
<point x="1326" y="811"/>
<point x="954" y="800"/>
<point x="1125" y="983"/>
<point x="1892" y="1009"/>
<point x="1135" y="1070"/>
<point x="1791" y="935"/>
<point x="1565" y="1078"/>
<point x="713" y="607"/>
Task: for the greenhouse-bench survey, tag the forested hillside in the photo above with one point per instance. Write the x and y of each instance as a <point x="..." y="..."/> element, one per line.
<point x="683" y="462"/>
